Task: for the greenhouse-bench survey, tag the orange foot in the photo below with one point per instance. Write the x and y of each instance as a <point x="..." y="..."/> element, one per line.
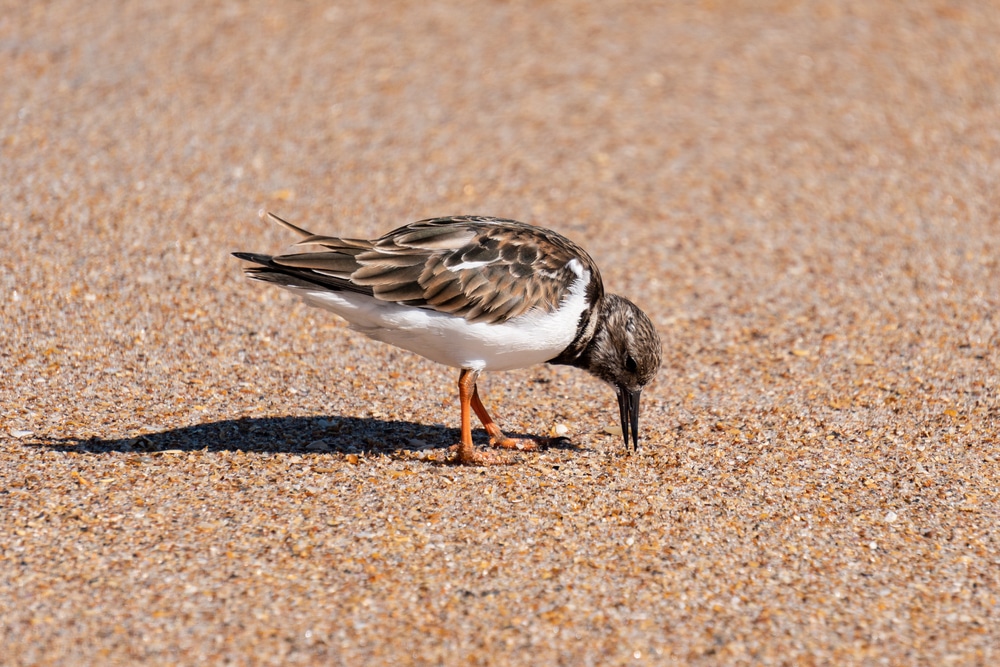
<point x="521" y="444"/>
<point x="529" y="444"/>
<point x="474" y="457"/>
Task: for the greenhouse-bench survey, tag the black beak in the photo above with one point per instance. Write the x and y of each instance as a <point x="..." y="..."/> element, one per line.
<point x="628" y="409"/>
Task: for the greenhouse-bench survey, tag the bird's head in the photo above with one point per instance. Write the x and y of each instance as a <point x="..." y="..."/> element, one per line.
<point x="625" y="352"/>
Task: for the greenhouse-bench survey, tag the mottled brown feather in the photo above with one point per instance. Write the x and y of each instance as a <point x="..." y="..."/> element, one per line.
<point x="475" y="267"/>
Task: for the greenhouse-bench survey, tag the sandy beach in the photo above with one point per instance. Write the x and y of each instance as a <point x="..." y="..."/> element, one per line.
<point x="804" y="197"/>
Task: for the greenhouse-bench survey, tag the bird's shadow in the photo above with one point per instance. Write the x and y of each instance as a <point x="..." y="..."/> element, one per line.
<point x="283" y="434"/>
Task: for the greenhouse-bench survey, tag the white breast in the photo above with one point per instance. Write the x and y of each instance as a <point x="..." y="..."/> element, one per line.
<point x="532" y="338"/>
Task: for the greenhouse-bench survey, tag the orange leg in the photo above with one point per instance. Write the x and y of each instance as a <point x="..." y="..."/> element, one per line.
<point x="468" y="397"/>
<point x="497" y="438"/>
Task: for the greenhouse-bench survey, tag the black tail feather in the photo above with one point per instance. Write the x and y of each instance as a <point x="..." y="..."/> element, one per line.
<point x="272" y="272"/>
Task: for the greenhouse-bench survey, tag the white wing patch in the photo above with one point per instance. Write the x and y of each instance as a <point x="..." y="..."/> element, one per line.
<point x="471" y="265"/>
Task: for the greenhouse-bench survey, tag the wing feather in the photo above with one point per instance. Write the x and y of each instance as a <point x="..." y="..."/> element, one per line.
<point x="483" y="269"/>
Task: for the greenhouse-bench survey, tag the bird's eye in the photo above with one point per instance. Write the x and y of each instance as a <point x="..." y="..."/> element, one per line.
<point x="630" y="364"/>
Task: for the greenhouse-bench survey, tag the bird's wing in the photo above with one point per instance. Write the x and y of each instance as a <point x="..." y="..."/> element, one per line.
<point x="482" y="269"/>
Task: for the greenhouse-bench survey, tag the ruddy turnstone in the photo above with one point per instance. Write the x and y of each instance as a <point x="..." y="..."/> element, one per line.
<point x="478" y="294"/>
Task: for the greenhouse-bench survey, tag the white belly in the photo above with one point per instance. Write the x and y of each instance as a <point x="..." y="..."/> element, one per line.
<point x="532" y="338"/>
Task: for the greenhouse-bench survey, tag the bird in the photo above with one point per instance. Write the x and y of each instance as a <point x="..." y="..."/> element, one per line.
<point x="479" y="294"/>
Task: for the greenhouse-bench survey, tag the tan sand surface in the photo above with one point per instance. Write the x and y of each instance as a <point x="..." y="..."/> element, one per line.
<point x="804" y="196"/>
